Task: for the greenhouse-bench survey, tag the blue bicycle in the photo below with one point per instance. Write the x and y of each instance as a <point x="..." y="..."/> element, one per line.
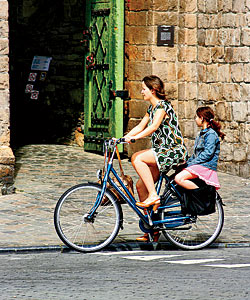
<point x="83" y="222"/>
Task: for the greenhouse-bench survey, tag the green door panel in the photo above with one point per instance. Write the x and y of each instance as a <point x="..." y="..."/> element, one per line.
<point x="104" y="63"/>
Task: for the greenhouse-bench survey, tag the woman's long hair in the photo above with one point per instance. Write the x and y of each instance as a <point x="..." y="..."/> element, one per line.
<point x="155" y="83"/>
<point x="207" y="114"/>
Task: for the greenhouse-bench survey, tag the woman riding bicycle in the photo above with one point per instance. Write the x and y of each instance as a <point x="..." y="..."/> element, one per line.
<point x="168" y="146"/>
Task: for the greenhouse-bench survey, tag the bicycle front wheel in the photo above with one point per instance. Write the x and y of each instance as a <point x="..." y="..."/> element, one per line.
<point x="199" y="232"/>
<point x="74" y="227"/>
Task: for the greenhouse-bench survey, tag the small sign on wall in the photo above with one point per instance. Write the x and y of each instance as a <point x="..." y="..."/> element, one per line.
<point x="165" y="35"/>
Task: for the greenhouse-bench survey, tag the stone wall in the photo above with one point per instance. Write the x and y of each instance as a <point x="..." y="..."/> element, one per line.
<point x="7" y="159"/>
<point x="208" y="65"/>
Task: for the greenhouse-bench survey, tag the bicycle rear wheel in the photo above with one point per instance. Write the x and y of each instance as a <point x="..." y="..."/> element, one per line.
<point x="198" y="232"/>
<point x="74" y="227"/>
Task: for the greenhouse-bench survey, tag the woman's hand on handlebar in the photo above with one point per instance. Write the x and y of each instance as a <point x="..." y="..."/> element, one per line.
<point x="128" y="139"/>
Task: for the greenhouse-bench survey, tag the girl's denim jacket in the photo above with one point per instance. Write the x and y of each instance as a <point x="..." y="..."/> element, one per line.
<point x="206" y="149"/>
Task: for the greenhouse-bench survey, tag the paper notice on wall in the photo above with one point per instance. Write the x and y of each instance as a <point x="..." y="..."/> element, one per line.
<point x="41" y="63"/>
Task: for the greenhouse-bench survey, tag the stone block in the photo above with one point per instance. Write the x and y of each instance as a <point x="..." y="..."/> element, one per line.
<point x="226" y="152"/>
<point x="187" y="128"/>
<point x="137" y="108"/>
<point x="223" y="111"/>
<point x="187" y="72"/>
<point x="201" y="4"/>
<point x="140" y="4"/>
<point x="237" y="72"/>
<point x="244" y="169"/>
<point x="4" y="50"/>
<point x="187" y="36"/>
<point x="240" y="111"/>
<point x="188" y="20"/>
<point x="188" y="6"/>
<point x="166" y="71"/>
<point x="137" y="18"/>
<point x="139" y="35"/>
<point x="6" y="156"/>
<point x="138" y="52"/>
<point x="239" y="6"/>
<point x="187" y="53"/>
<point x="201" y="72"/>
<point x="201" y="37"/>
<point x="204" y="54"/>
<point x="212" y="37"/>
<point x="228" y="20"/>
<point x="215" y="91"/>
<point x="138" y="70"/>
<point x="239" y="152"/>
<point x="231" y="92"/>
<point x="212" y="73"/>
<point x="224" y="74"/>
<point x="167" y="5"/>
<point x="134" y="88"/>
<point x="4" y="10"/>
<point x="244" y="92"/>
<point x="166" y="54"/>
<point x="245" y="38"/>
<point x="225" y="5"/>
<point x="171" y="90"/>
<point x="4" y="81"/>
<point x="211" y="7"/>
<point x="162" y="18"/>
<point x="4" y="29"/>
<point x="187" y="91"/>
<point x="217" y="54"/>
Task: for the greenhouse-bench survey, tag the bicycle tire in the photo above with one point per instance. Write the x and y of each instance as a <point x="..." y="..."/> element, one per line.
<point x="75" y="230"/>
<point x="197" y="235"/>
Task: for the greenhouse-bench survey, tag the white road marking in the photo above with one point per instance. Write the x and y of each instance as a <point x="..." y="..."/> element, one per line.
<point x="193" y="261"/>
<point x="148" y="257"/>
<point x="117" y="252"/>
<point x="229" y="266"/>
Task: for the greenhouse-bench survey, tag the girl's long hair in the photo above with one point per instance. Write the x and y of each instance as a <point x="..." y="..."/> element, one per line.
<point x="155" y="83"/>
<point x="207" y="114"/>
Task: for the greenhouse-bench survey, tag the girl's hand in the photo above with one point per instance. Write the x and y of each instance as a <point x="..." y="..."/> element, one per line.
<point x="128" y="139"/>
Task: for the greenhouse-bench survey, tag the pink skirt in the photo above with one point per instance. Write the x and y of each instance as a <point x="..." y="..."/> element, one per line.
<point x="205" y="174"/>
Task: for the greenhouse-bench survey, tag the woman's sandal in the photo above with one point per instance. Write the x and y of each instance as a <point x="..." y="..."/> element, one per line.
<point x="146" y="203"/>
<point x="145" y="237"/>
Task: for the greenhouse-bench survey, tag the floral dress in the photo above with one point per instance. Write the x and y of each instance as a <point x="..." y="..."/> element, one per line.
<point x="167" y="141"/>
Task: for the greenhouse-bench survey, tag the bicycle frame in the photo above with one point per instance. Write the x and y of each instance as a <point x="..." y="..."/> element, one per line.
<point x="129" y="198"/>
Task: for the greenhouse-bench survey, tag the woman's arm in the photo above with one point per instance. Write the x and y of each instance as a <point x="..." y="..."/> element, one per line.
<point x="159" y="116"/>
<point x="138" y="128"/>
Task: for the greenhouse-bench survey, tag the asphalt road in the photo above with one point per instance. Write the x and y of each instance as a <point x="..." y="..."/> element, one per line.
<point x="184" y="275"/>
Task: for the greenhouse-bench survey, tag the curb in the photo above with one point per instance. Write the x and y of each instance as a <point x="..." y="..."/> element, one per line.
<point x="115" y="247"/>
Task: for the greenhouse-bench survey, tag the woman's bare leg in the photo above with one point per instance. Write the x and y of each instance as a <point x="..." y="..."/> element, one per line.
<point x="146" y="167"/>
<point x="182" y="179"/>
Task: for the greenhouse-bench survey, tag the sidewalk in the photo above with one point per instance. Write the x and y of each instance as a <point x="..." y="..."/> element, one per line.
<point x="44" y="172"/>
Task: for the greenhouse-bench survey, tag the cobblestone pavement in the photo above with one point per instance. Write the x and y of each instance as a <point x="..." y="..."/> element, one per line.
<point x="44" y="172"/>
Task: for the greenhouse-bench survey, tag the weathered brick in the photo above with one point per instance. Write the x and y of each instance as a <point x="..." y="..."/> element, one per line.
<point x="237" y="72"/>
<point x="169" y="18"/>
<point x="212" y="73"/>
<point x="245" y="39"/>
<point x="166" y="5"/>
<point x="224" y="111"/>
<point x="239" y="111"/>
<point x="188" y="5"/>
<point x="164" y="53"/>
<point x="137" y="108"/>
<point x="187" y="53"/>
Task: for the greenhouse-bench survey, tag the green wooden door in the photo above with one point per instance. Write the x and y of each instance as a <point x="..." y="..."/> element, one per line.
<point x="104" y="61"/>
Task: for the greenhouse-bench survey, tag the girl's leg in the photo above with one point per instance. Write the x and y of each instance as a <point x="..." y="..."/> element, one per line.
<point x="146" y="167"/>
<point x="182" y="179"/>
